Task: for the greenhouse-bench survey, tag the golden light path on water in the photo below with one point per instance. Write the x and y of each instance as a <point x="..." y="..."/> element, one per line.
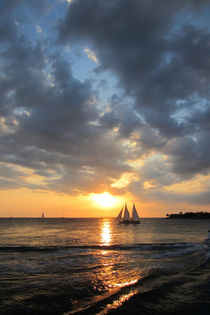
<point x="113" y="282"/>
<point x="106" y="233"/>
<point x="118" y="302"/>
<point x="113" y="279"/>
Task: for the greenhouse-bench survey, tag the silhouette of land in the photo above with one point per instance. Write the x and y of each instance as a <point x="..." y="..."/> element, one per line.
<point x="189" y="215"/>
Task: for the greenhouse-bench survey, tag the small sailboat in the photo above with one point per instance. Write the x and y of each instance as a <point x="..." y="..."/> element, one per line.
<point x="208" y="238"/>
<point x="42" y="217"/>
<point x="135" y="217"/>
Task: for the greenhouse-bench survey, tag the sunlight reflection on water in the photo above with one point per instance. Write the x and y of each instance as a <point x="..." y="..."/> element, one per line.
<point x="106" y="233"/>
<point x="118" y="302"/>
<point x="110" y="276"/>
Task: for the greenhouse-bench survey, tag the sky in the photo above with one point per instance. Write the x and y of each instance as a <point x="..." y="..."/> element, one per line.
<point x="104" y="102"/>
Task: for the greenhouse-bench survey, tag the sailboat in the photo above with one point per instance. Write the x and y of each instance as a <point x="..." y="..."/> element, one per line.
<point x="124" y="216"/>
<point x="135" y="217"/>
<point x="42" y="217"/>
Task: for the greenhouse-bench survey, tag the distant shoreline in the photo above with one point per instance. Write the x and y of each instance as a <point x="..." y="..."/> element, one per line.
<point x="189" y="215"/>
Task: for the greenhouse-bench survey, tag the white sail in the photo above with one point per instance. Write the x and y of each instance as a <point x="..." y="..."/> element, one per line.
<point x="119" y="217"/>
<point x="126" y="214"/>
<point x="135" y="216"/>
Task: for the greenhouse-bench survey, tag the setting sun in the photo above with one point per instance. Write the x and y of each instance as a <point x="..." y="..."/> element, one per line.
<point x="104" y="200"/>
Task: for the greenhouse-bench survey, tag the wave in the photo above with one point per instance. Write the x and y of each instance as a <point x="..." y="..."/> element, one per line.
<point x="113" y="298"/>
<point x="143" y="247"/>
<point x="157" y="286"/>
<point x="87" y="259"/>
<point x="154" y="289"/>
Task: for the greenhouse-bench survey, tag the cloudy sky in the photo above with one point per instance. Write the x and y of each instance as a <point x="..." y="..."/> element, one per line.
<point x="104" y="97"/>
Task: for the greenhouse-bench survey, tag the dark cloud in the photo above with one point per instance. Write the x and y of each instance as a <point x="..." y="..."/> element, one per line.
<point x="190" y="155"/>
<point x="161" y="57"/>
<point x="121" y="115"/>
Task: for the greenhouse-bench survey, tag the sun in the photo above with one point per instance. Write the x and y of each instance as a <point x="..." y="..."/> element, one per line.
<point x="104" y="200"/>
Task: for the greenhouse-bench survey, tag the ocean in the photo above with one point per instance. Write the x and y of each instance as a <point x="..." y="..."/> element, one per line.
<point x="97" y="266"/>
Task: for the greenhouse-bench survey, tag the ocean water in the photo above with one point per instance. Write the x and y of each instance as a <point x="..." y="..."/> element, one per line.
<point x="97" y="266"/>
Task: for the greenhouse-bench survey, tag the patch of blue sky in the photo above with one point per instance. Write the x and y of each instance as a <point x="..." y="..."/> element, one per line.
<point x="107" y="85"/>
<point x="186" y="17"/>
<point x="84" y="68"/>
<point x="21" y="111"/>
<point x="26" y="27"/>
<point x="41" y="27"/>
<point x="186" y="108"/>
<point x="201" y="105"/>
<point x="50" y="20"/>
<point x="202" y="19"/>
<point x="32" y="23"/>
<point x="181" y="115"/>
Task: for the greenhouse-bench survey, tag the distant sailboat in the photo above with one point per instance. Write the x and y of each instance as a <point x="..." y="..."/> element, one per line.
<point x="135" y="217"/>
<point x="42" y="217"/>
<point x="124" y="216"/>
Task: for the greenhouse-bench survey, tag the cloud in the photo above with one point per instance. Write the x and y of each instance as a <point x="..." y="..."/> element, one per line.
<point x="154" y="63"/>
<point x="47" y="122"/>
<point x="57" y="126"/>
<point x="161" y="58"/>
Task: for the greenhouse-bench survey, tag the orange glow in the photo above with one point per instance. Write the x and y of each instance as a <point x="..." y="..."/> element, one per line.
<point x="104" y="200"/>
<point x="26" y="203"/>
<point x="105" y="233"/>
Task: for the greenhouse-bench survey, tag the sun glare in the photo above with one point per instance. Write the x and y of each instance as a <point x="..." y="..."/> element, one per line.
<point x="104" y="200"/>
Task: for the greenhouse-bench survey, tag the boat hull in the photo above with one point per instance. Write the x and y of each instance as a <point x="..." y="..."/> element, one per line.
<point x="129" y="222"/>
<point x="124" y="222"/>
